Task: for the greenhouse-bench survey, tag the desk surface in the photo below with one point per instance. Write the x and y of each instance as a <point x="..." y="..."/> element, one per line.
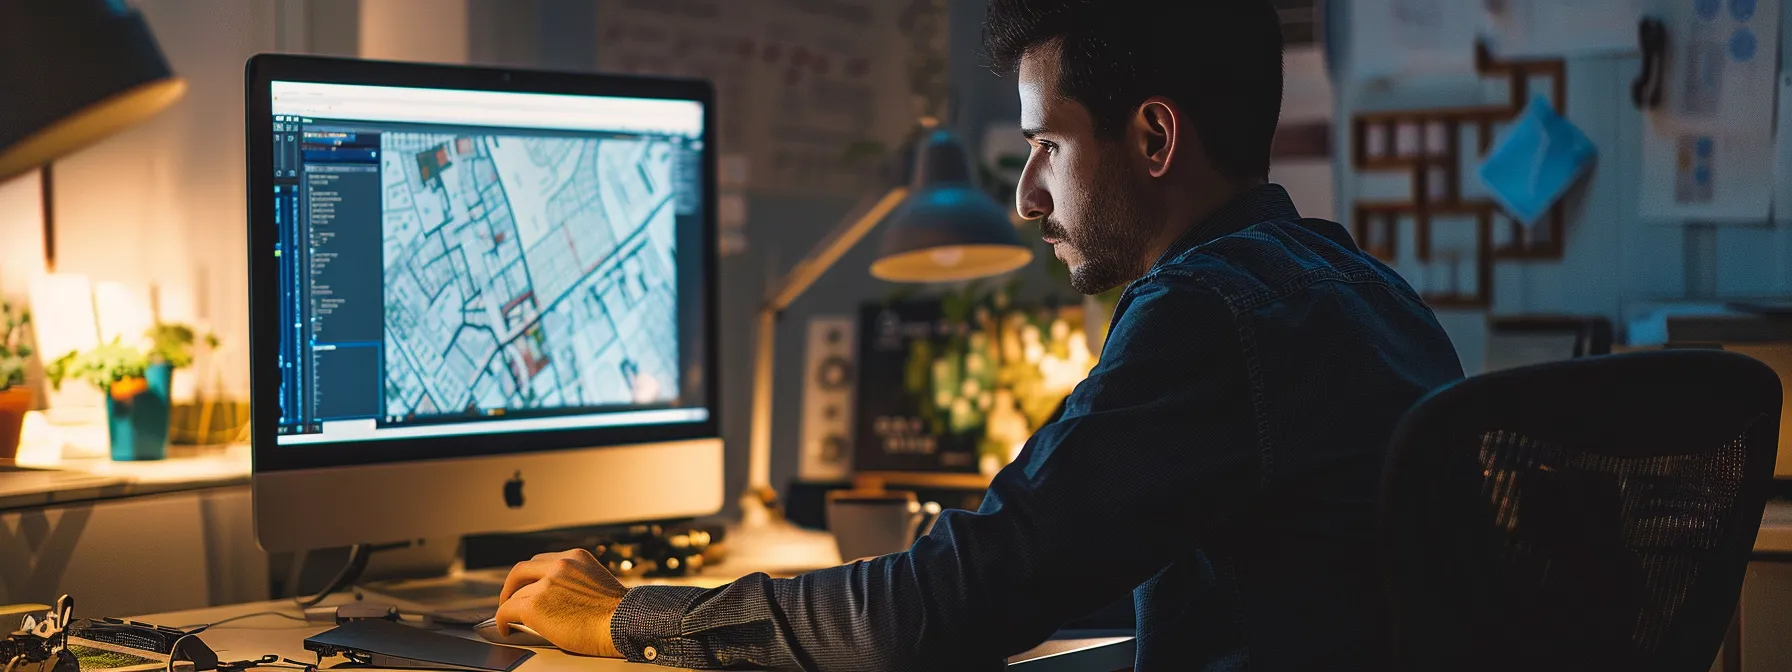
<point x="252" y="638"/>
<point x="1776" y="528"/>
<point x="187" y="468"/>
<point x="257" y="637"/>
<point x="778" y="551"/>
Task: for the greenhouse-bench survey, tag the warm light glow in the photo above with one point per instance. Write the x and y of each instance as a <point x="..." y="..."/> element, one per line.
<point x="89" y="125"/>
<point x="966" y="262"/>
<point x="946" y="257"/>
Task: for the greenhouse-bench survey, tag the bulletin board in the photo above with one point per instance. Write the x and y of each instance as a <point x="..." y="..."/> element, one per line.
<point x="811" y="94"/>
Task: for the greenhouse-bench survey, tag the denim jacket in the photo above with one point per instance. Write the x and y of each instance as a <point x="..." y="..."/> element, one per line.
<point x="1220" y="462"/>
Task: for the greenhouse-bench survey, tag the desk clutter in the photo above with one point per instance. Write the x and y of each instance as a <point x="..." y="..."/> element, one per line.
<point x="647" y="551"/>
<point x="52" y="639"/>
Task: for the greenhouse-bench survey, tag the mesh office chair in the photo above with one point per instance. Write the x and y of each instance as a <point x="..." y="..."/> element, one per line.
<point x="1593" y="514"/>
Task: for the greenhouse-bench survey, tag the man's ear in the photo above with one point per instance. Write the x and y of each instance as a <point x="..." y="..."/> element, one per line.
<point x="1159" y="134"/>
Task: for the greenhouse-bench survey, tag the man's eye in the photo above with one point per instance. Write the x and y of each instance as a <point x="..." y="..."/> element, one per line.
<point x="1048" y="146"/>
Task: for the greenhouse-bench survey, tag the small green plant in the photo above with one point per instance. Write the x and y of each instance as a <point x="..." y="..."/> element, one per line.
<point x="111" y="367"/>
<point x="14" y="352"/>
<point x="118" y="369"/>
<point x="173" y="343"/>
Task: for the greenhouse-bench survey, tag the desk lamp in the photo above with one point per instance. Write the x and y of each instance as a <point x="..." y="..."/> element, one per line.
<point x="945" y="229"/>
<point x="73" y="72"/>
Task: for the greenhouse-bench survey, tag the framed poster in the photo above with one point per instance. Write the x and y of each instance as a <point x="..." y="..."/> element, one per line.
<point x="958" y="384"/>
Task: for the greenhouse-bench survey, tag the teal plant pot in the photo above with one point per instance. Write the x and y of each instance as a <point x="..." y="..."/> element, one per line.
<point x="138" y="428"/>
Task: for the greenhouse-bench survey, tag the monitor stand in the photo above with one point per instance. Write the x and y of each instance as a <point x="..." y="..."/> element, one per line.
<point x="455" y="591"/>
<point x="426" y="576"/>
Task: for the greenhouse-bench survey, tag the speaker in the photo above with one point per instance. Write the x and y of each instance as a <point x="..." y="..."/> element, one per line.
<point x="829" y="380"/>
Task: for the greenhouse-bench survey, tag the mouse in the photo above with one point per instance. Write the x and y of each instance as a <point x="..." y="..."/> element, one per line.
<point x="520" y="635"/>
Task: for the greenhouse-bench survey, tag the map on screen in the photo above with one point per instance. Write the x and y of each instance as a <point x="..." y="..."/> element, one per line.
<point x="526" y="272"/>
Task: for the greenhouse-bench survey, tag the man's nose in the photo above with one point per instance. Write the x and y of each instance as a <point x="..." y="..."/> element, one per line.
<point x="1031" y="199"/>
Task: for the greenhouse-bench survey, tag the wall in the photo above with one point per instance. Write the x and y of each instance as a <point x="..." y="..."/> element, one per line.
<point x="137" y="555"/>
<point x="1614" y="265"/>
<point x="414" y="30"/>
<point x="162" y="202"/>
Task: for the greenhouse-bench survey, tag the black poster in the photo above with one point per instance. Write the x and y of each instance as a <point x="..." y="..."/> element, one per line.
<point x="897" y="429"/>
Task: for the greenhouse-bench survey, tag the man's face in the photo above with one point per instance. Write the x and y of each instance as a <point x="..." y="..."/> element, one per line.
<point x="1087" y="193"/>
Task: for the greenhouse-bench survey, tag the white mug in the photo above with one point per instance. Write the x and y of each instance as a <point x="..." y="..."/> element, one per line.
<point x="867" y="524"/>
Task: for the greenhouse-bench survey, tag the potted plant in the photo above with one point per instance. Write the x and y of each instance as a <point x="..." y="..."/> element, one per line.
<point x="136" y="382"/>
<point x="15" y="397"/>
<point x="1001" y="373"/>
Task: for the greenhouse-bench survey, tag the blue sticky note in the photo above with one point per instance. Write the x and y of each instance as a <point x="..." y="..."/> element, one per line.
<point x="1536" y="162"/>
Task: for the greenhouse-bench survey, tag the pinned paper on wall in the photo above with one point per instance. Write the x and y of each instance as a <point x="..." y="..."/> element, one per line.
<point x="125" y="312"/>
<point x="1560" y="28"/>
<point x="811" y="93"/>
<point x="731" y="218"/>
<point x="62" y="314"/>
<point x="1537" y="160"/>
<point x="1724" y="61"/>
<point x="1709" y="151"/>
<point x="1401" y="38"/>
<point x="1782" y="155"/>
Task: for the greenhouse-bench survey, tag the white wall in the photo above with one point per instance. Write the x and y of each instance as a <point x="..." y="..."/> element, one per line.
<point x="21" y="243"/>
<point x="1307" y="97"/>
<point x="163" y="202"/>
<point x="1615" y="264"/>
<point x="414" y="30"/>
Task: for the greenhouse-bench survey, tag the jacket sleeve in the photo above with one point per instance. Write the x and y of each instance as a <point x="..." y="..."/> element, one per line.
<point x="1157" y="445"/>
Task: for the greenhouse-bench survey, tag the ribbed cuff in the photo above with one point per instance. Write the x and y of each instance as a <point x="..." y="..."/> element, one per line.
<point x="645" y="628"/>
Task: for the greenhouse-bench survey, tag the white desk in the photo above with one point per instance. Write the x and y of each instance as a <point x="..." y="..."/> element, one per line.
<point x="97" y="478"/>
<point x="1776" y="529"/>
<point x="269" y="635"/>
<point x="785" y="553"/>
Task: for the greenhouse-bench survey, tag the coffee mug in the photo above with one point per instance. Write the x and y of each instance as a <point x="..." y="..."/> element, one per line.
<point x="867" y="524"/>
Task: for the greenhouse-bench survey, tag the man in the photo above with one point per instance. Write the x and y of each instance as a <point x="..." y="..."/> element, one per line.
<point x="1220" y="462"/>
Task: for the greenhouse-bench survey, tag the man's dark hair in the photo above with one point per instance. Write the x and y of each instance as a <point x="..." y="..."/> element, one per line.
<point x="1219" y="60"/>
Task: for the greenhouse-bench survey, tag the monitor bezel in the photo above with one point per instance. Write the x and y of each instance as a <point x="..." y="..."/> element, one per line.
<point x="264" y="374"/>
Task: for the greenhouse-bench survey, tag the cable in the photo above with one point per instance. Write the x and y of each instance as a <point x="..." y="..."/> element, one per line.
<point x="358" y="556"/>
<point x="174" y="650"/>
<point x="351" y="572"/>
<point x="202" y="627"/>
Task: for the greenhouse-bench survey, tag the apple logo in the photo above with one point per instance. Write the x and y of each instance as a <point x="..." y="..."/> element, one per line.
<point x="513" y="491"/>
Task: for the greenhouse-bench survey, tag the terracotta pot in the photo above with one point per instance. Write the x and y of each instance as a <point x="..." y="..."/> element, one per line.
<point x="14" y="402"/>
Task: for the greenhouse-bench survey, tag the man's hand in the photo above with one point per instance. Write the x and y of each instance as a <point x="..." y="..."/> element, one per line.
<point x="567" y="598"/>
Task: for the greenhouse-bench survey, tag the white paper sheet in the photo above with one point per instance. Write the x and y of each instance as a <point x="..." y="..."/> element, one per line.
<point x="1560" y="28"/>
<point x="799" y="84"/>
<point x="1719" y="178"/>
<point x="1723" y="61"/>
<point x="125" y="312"/>
<point x="1782" y="155"/>
<point x="62" y="314"/>
<point x="1708" y="151"/>
<point x="1398" y="38"/>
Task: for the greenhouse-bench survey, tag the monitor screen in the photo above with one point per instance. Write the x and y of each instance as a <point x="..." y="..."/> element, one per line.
<point x="465" y="262"/>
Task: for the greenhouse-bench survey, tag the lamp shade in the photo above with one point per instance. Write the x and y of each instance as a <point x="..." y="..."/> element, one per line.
<point x="71" y="73"/>
<point x="948" y="230"/>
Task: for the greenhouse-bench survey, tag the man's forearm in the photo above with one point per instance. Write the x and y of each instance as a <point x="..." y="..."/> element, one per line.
<point x="847" y="617"/>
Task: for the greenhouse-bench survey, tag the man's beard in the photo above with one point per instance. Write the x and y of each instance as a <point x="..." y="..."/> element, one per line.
<point x="1114" y="236"/>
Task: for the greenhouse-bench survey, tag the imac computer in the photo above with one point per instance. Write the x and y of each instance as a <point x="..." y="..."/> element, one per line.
<point x="482" y="300"/>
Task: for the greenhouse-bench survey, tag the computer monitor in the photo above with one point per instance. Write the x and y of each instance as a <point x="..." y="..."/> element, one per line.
<point x="482" y="300"/>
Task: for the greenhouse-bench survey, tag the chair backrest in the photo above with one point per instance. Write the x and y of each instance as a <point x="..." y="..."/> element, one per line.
<point x="1588" y="514"/>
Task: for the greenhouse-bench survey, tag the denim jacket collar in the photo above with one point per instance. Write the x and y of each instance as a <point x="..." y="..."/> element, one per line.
<point x="1261" y="203"/>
